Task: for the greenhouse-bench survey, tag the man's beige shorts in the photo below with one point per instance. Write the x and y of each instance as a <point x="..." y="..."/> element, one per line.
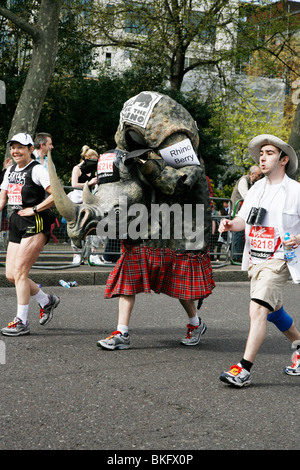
<point x="267" y="281"/>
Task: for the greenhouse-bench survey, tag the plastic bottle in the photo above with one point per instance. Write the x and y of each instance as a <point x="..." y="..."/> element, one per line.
<point x="64" y="284"/>
<point x="289" y="252"/>
<point x="73" y="284"/>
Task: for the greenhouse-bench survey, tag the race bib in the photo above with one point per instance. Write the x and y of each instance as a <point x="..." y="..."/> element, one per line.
<point x="105" y="164"/>
<point x="14" y="194"/>
<point x="107" y="170"/>
<point x="262" y="242"/>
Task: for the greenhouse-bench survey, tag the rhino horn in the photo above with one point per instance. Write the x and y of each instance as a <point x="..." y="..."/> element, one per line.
<point x="87" y="196"/>
<point x="64" y="205"/>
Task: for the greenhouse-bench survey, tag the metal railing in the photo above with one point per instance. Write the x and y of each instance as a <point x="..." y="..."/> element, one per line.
<point x="238" y="238"/>
<point x="220" y="244"/>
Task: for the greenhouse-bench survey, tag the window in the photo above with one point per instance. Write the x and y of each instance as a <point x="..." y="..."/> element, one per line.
<point x="205" y="31"/>
<point x="136" y="17"/>
<point x="108" y="58"/>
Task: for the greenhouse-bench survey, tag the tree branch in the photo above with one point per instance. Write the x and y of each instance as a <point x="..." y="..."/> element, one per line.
<point x="33" y="31"/>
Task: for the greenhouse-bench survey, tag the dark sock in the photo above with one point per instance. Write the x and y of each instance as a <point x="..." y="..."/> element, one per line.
<point x="246" y="364"/>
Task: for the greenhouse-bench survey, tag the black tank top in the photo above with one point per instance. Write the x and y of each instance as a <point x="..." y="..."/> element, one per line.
<point x="22" y="191"/>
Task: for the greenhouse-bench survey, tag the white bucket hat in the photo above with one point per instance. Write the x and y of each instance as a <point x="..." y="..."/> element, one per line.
<point x="21" y="138"/>
<point x="267" y="139"/>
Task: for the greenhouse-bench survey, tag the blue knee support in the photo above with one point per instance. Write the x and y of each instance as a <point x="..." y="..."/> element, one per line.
<point x="280" y="319"/>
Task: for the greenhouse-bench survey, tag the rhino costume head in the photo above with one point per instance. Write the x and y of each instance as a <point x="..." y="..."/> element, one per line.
<point x="151" y="120"/>
<point x="155" y="162"/>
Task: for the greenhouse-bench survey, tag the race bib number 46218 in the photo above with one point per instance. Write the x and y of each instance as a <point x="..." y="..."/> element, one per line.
<point x="262" y="241"/>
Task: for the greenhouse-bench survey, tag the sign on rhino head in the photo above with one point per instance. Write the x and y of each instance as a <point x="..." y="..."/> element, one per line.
<point x="156" y="121"/>
<point x="152" y="188"/>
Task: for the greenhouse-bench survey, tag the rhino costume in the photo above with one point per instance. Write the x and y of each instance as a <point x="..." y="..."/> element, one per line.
<point x="149" y="124"/>
<point x="155" y="163"/>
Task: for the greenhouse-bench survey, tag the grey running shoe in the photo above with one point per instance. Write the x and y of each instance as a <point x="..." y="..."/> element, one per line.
<point x="115" y="341"/>
<point x="46" y="313"/>
<point x="193" y="334"/>
<point x="294" y="369"/>
<point x="16" y="328"/>
<point x="236" y="376"/>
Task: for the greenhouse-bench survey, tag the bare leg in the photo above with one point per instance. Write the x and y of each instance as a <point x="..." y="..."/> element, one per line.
<point x="292" y="333"/>
<point x="257" y="332"/>
<point x="189" y="307"/>
<point x="120" y="339"/>
<point x="19" y="260"/>
<point x="126" y="303"/>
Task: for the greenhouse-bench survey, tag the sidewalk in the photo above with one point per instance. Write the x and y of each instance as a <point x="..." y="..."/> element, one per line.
<point x="97" y="275"/>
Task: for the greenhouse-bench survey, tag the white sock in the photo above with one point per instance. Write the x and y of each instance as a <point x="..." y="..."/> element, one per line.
<point x="122" y="328"/>
<point x="41" y="298"/>
<point x="22" y="313"/>
<point x="194" y="321"/>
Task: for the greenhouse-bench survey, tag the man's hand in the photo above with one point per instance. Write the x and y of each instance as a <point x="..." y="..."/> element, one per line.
<point x="225" y="225"/>
<point x="292" y="241"/>
<point x="235" y="225"/>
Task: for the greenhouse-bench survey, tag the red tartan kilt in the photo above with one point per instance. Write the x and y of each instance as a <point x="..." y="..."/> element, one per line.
<point x="185" y="276"/>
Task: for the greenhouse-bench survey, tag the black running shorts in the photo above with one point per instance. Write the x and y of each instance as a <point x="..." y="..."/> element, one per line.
<point x="24" y="227"/>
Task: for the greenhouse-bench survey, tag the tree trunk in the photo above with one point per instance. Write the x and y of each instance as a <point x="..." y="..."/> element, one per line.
<point x="45" y="39"/>
<point x="177" y="69"/>
<point x="294" y="139"/>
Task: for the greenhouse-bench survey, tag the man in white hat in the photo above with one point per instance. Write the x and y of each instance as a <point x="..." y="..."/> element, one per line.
<point x="271" y="208"/>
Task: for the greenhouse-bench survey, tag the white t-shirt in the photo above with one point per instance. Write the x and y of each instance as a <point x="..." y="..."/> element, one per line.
<point x="40" y="176"/>
<point x="265" y="240"/>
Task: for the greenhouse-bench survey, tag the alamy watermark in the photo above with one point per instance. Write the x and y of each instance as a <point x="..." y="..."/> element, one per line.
<point x="137" y="221"/>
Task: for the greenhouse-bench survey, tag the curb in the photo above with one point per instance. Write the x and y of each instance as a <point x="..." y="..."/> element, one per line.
<point x="97" y="276"/>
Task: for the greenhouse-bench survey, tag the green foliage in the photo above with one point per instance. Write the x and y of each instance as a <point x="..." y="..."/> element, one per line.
<point x="78" y="112"/>
<point x="242" y="119"/>
<point x="210" y="147"/>
<point x="75" y="56"/>
<point x="225" y="192"/>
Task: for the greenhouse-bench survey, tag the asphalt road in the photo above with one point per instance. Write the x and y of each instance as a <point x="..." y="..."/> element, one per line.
<point x="59" y="391"/>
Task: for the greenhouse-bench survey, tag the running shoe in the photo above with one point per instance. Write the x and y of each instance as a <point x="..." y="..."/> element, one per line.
<point x="16" y="328"/>
<point x="77" y="259"/>
<point x="46" y="313"/>
<point x="95" y="260"/>
<point x="236" y="376"/>
<point x="115" y="341"/>
<point x="194" y="334"/>
<point x="294" y="369"/>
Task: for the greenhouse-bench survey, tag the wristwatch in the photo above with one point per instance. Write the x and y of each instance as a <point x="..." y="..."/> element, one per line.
<point x="35" y="209"/>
